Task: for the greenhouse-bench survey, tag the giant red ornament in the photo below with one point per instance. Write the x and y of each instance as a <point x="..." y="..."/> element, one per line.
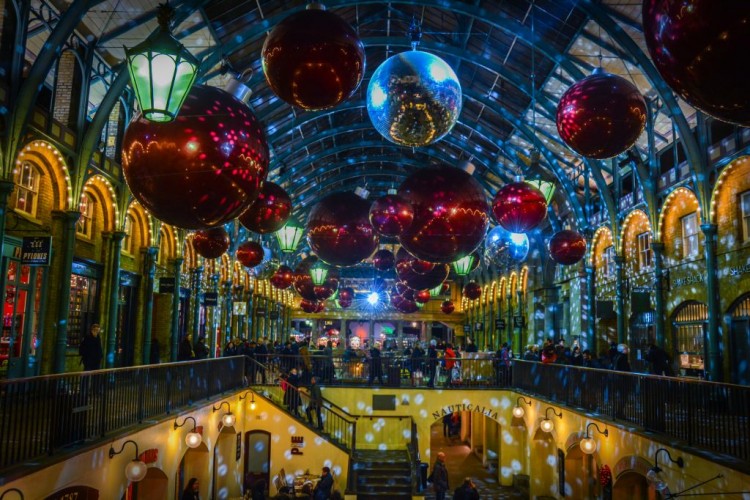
<point x="407" y="307"/>
<point x="383" y="260"/>
<point x="415" y="281"/>
<point x="303" y="283"/>
<point x="269" y="212"/>
<point x="338" y="229"/>
<point x="519" y="207"/>
<point x="422" y="296"/>
<point x="390" y="215"/>
<point x="447" y="307"/>
<point x="202" y="169"/>
<point x="403" y="290"/>
<point x="472" y="290"/>
<point x="313" y="59"/>
<point x="450" y="214"/>
<point x="601" y="116"/>
<point x="250" y="253"/>
<point x="282" y="278"/>
<point x="211" y="243"/>
<point x="309" y="306"/>
<point x="422" y="266"/>
<point x="567" y="247"/>
<point x="698" y="47"/>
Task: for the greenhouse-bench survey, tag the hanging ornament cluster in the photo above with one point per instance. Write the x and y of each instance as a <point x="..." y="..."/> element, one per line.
<point x="269" y="212"/>
<point x="391" y="215"/>
<point x="204" y="168"/>
<point x="698" y="48"/>
<point x="211" y="243"/>
<point x="519" y="207"/>
<point x="312" y="306"/>
<point x="339" y="231"/>
<point x="406" y="273"/>
<point x="601" y="116"/>
<point x="567" y="247"/>
<point x="313" y="59"/>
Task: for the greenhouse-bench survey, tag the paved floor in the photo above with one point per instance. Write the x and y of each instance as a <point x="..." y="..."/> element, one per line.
<point x="461" y="464"/>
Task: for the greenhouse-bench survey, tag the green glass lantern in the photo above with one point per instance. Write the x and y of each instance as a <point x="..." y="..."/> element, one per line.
<point x="318" y="273"/>
<point x="290" y="235"/>
<point x="463" y="266"/>
<point x="162" y="71"/>
<point x="435" y="292"/>
<point x="547" y="188"/>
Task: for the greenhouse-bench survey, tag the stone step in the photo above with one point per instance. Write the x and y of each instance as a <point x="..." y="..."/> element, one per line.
<point x="389" y="480"/>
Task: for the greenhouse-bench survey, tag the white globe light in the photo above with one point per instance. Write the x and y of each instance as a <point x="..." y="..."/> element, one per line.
<point x="588" y="445"/>
<point x="193" y="439"/>
<point x="518" y="412"/>
<point x="373" y="298"/>
<point x="547" y="425"/>
<point x="228" y="420"/>
<point x="252" y="405"/>
<point x="135" y="471"/>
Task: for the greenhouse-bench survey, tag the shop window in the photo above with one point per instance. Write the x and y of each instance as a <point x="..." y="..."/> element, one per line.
<point x="83" y="295"/>
<point x="689" y="235"/>
<point x="608" y="262"/>
<point x="128" y="241"/>
<point x="689" y="325"/>
<point x="85" y="221"/>
<point x="745" y="213"/>
<point x="644" y="250"/>
<point x="27" y="189"/>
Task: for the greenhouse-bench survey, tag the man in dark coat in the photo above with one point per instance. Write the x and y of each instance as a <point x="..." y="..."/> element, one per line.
<point x="439" y="477"/>
<point x="316" y="402"/>
<point x="90" y="349"/>
<point x="324" y="487"/>
<point x="467" y="491"/>
<point x="658" y="360"/>
<point x="376" y="365"/>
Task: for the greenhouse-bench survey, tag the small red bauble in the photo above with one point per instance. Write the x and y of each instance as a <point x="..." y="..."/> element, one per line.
<point x="422" y="296"/>
<point x="601" y="116"/>
<point x="282" y="278"/>
<point x="303" y="283"/>
<point x="391" y="215"/>
<point x="344" y="303"/>
<point x="309" y="306"/>
<point x="346" y="293"/>
<point x="339" y="231"/>
<point x="383" y="260"/>
<point x="698" y="48"/>
<point x="201" y="170"/>
<point x="250" y="253"/>
<point x="269" y="212"/>
<point x="313" y="59"/>
<point x="472" y="290"/>
<point x="567" y="247"/>
<point x="211" y="243"/>
<point x="450" y="214"/>
<point x="519" y="207"/>
<point x="329" y="286"/>
<point x="447" y="307"/>
<point x="415" y="281"/>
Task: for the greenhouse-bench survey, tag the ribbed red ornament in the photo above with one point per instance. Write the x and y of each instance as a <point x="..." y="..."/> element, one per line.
<point x="391" y="215"/>
<point x="201" y="170"/>
<point x="303" y="283"/>
<point x="383" y="260"/>
<point x="472" y="290"/>
<point x="422" y="296"/>
<point x="519" y="207"/>
<point x="250" y="254"/>
<point x="282" y="278"/>
<point x="269" y="212"/>
<point x="447" y="307"/>
<point x="601" y="116"/>
<point x="211" y="243"/>
<point x="567" y="247"/>
<point x="415" y="281"/>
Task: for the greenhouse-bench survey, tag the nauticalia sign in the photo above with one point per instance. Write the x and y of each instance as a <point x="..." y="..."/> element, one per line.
<point x="450" y="409"/>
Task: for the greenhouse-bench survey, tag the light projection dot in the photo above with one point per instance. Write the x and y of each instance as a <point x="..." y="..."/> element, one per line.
<point x="361" y="405"/>
<point x="382" y="447"/>
<point x="423" y="413"/>
<point x="552" y="460"/>
<point x="419" y="398"/>
<point x="292" y="429"/>
<point x="369" y="437"/>
<point x="407" y="433"/>
<point x="336" y="470"/>
<point x="319" y="440"/>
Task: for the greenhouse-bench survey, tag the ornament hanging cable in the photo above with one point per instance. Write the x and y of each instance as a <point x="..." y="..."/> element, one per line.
<point x="534" y="156"/>
<point x="415" y="33"/>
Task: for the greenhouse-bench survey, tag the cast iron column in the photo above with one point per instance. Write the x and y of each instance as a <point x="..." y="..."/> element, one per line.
<point x="591" y="310"/>
<point x="69" y="219"/>
<point x="659" y="320"/>
<point x="713" y="363"/>
<point x="620" y="298"/>
<point x="175" y="343"/>
<point x="196" y="293"/>
<point x="149" y="267"/>
<point x="212" y="323"/>
<point x="6" y="188"/>
<point x="115" y="243"/>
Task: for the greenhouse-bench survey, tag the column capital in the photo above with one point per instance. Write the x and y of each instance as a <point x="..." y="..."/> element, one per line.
<point x="657" y="246"/>
<point x="70" y="216"/>
<point x="151" y="251"/>
<point x="6" y="187"/>
<point x="709" y="229"/>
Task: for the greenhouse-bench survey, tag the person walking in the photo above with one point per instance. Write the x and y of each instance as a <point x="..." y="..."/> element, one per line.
<point x="90" y="349"/>
<point x="439" y="477"/>
<point x="467" y="491"/>
<point x="316" y="402"/>
<point x="323" y="489"/>
<point x="292" y="392"/>
<point x="191" y="490"/>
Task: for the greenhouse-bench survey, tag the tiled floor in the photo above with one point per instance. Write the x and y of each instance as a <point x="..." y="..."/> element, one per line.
<point x="461" y="463"/>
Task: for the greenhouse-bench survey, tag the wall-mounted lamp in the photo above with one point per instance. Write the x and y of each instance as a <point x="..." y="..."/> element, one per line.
<point x="587" y="444"/>
<point x="518" y="411"/>
<point x="228" y="418"/>
<point x="193" y="438"/>
<point x="252" y="399"/>
<point x="547" y="425"/>
<point x="653" y="474"/>
<point x="135" y="470"/>
<point x="13" y="490"/>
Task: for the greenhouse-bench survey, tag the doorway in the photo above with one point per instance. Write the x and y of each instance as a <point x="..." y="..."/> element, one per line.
<point x="194" y="464"/>
<point x="633" y="486"/>
<point x="154" y="486"/>
<point x="257" y="459"/>
<point x="581" y="474"/>
<point x="739" y="341"/>
<point x="126" y="320"/>
<point x="544" y="456"/>
<point x="226" y="473"/>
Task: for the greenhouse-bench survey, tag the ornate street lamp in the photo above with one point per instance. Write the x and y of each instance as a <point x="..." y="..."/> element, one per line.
<point x="464" y="265"/>
<point x="547" y="188"/>
<point x="318" y="273"/>
<point x="290" y="235"/>
<point x="162" y="71"/>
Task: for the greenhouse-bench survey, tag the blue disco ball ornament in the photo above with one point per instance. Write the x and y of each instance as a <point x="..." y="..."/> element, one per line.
<point x="518" y="248"/>
<point x="414" y="98"/>
<point x="501" y="247"/>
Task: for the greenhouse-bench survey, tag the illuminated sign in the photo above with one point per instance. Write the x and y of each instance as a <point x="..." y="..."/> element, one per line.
<point x="451" y="409"/>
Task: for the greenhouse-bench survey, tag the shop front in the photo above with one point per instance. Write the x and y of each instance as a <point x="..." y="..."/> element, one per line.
<point x="739" y="341"/>
<point x="689" y="323"/>
<point x="126" y="319"/>
<point x="85" y="290"/>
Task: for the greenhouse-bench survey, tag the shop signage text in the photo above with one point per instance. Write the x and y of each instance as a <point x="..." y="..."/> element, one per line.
<point x="450" y="409"/>
<point x="298" y="442"/>
<point x="166" y="285"/>
<point x="500" y="324"/>
<point x="689" y="280"/>
<point x="210" y="299"/>
<point x="738" y="270"/>
<point x="35" y="250"/>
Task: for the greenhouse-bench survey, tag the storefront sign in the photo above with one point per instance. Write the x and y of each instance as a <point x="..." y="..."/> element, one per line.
<point x="211" y="299"/>
<point x="166" y="285"/>
<point x="518" y="321"/>
<point x="260" y="311"/>
<point x="689" y="280"/>
<point x="738" y="270"/>
<point x="273" y="315"/>
<point x="298" y="442"/>
<point x="35" y="250"/>
<point x="450" y="409"/>
<point x="500" y="324"/>
<point x="467" y="328"/>
<point x="75" y="493"/>
<point x="238" y="454"/>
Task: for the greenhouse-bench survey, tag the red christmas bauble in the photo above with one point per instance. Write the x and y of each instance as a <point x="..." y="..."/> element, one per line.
<point x="472" y="290"/>
<point x="329" y="286"/>
<point x="309" y="306"/>
<point x="346" y="293"/>
<point x="269" y="212"/>
<point x="344" y="303"/>
<point x="201" y="170"/>
<point x="211" y="243"/>
<point x="383" y="260"/>
<point x="567" y="247"/>
<point x="403" y="290"/>
<point x="313" y="59"/>
<point x="601" y="116"/>
<point x="450" y="214"/>
<point x="282" y="278"/>
<point x="422" y="266"/>
<point x="250" y="253"/>
<point x="698" y="48"/>
<point x="447" y="307"/>
<point x="519" y="207"/>
<point x="415" y="281"/>
<point x="303" y="283"/>
<point x="422" y="296"/>
<point x="390" y="215"/>
<point x="407" y="307"/>
<point x="338" y="229"/>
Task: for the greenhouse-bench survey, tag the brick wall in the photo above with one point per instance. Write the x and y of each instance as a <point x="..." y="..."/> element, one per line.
<point x="66" y="68"/>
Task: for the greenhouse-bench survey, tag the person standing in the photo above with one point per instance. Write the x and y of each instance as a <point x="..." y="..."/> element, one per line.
<point x="191" y="490"/>
<point x="293" y="381"/>
<point x="439" y="477"/>
<point x="90" y="349"/>
<point x="316" y="402"/>
<point x="200" y="349"/>
<point x="432" y="363"/>
<point x="376" y="365"/>
<point x="323" y="489"/>
<point x="185" y="350"/>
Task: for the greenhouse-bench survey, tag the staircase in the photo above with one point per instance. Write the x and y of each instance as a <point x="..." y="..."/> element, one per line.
<point x="382" y="474"/>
